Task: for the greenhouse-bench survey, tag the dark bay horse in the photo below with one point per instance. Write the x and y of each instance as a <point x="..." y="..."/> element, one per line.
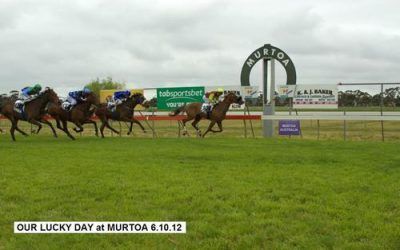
<point x="80" y="114"/>
<point x="124" y="112"/>
<point x="34" y="111"/>
<point x="217" y="115"/>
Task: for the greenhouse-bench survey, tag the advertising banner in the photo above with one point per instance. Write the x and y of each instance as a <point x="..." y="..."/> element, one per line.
<point x="311" y="96"/>
<point x="172" y="98"/>
<point x="319" y="96"/>
<point x="286" y="91"/>
<point x="244" y="91"/>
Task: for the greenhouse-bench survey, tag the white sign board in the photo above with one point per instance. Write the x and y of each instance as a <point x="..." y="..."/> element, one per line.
<point x="286" y="91"/>
<point x="316" y="96"/>
<point x="311" y="96"/>
<point x="244" y="91"/>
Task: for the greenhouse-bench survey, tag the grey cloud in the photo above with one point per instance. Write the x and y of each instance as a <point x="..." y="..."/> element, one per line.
<point x="152" y="43"/>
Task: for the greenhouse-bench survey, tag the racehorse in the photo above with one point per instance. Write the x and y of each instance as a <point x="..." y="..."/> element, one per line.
<point x="3" y="100"/>
<point x="123" y="112"/>
<point x="33" y="112"/>
<point x="217" y="115"/>
<point x="78" y="115"/>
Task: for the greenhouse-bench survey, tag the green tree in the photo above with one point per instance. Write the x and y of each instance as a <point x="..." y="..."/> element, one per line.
<point x="102" y="84"/>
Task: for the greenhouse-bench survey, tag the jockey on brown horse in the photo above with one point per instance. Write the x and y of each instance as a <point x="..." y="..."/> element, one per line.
<point x="216" y="115"/>
<point x="121" y="112"/>
<point x="33" y="111"/>
<point x="79" y="113"/>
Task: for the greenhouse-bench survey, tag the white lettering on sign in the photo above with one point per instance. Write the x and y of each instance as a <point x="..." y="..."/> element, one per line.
<point x="279" y="55"/>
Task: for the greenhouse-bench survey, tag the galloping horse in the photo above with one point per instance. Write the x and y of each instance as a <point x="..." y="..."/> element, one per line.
<point x="79" y="115"/>
<point x="34" y="111"/>
<point x="124" y="112"/>
<point x="217" y="115"/>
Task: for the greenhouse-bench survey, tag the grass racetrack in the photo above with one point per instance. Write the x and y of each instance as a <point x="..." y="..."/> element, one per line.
<point x="232" y="192"/>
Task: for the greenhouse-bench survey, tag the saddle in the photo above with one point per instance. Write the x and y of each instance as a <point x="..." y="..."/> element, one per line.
<point x="112" y="105"/>
<point x="66" y="106"/>
<point x="19" y="107"/>
<point x="207" y="109"/>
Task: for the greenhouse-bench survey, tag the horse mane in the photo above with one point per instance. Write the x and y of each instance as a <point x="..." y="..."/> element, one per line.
<point x="46" y="90"/>
<point x="136" y="95"/>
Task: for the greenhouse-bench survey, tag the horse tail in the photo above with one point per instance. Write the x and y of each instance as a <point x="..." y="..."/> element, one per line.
<point x="178" y="110"/>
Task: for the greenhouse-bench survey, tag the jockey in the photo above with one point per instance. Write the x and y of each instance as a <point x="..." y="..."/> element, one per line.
<point x="211" y="98"/>
<point x="27" y="94"/>
<point x="76" y="96"/>
<point x="118" y="98"/>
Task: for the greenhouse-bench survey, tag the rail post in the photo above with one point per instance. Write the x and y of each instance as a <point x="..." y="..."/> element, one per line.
<point x="381" y="104"/>
<point x="344" y="126"/>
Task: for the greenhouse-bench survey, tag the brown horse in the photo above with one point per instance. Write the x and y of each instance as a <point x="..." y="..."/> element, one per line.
<point x="123" y="112"/>
<point x="217" y="115"/>
<point x="78" y="115"/>
<point x="34" y="112"/>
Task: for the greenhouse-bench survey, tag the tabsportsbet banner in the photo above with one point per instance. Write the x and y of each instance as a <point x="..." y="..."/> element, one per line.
<point x="172" y="98"/>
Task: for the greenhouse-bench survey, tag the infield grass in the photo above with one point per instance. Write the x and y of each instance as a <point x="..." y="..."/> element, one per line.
<point x="233" y="193"/>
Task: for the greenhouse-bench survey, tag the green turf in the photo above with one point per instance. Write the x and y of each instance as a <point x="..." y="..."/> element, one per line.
<point x="232" y="192"/>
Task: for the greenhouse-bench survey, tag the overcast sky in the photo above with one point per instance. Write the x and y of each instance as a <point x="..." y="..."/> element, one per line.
<point x="65" y="44"/>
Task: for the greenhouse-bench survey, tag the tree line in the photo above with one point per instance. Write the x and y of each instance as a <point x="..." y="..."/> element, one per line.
<point x="357" y="98"/>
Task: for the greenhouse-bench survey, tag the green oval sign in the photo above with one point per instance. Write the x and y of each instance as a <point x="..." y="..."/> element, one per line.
<point x="268" y="51"/>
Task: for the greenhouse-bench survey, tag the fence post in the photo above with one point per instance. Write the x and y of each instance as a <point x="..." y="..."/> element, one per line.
<point x="381" y="104"/>
<point x="179" y="129"/>
<point x="344" y="126"/>
<point x="245" y="125"/>
<point x="152" y="121"/>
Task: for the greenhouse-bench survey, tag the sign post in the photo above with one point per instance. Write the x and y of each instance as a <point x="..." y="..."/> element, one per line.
<point x="269" y="105"/>
<point x="268" y="54"/>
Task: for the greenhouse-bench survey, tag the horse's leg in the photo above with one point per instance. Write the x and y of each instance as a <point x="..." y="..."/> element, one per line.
<point x="18" y="129"/>
<point x="103" y="124"/>
<point x="78" y="128"/>
<point x="130" y="128"/>
<point x="37" y="123"/>
<point x="133" y="120"/>
<point x="50" y="125"/>
<point x="65" y="129"/>
<point x="12" y="129"/>
<point x="111" y="128"/>
<point x="194" y="124"/>
<point x="58" y="123"/>
<point x="185" y="132"/>
<point x="219" y="126"/>
<point x="212" y="123"/>
<point x="95" y="126"/>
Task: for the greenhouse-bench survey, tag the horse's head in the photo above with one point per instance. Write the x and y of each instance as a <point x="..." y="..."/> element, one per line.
<point x="51" y="95"/>
<point x="93" y="99"/>
<point x="138" y="98"/>
<point x="233" y="98"/>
